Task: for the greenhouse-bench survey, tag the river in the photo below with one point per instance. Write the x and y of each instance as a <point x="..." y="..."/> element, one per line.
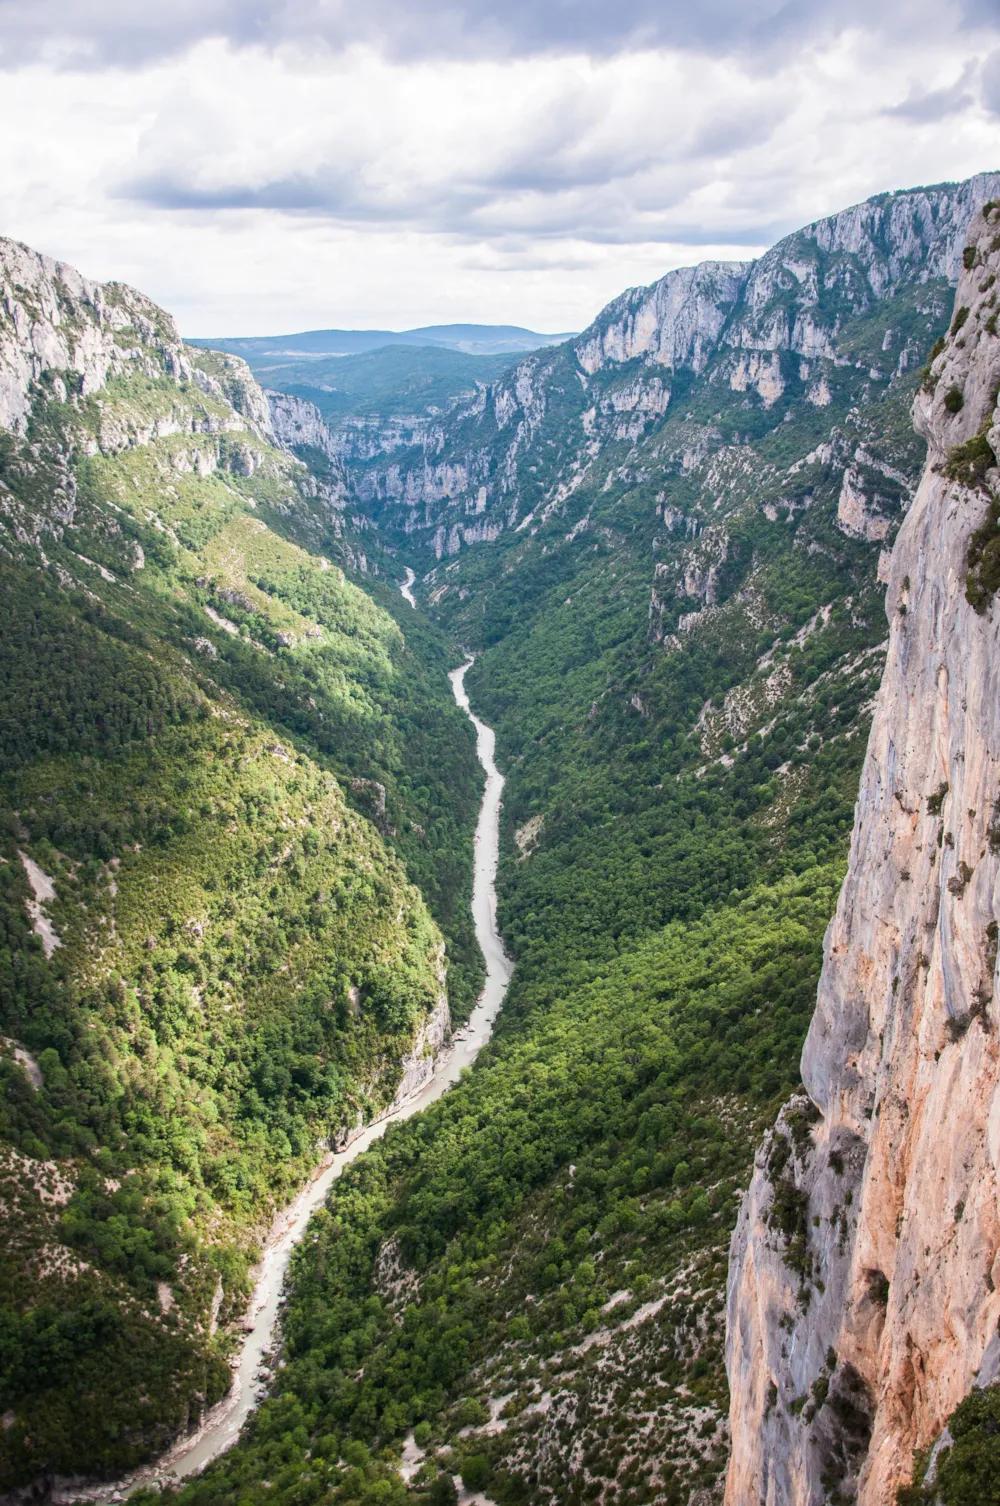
<point x="223" y="1422"/>
<point x="406" y="588"/>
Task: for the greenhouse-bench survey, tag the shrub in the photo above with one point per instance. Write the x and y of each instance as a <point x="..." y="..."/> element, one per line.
<point x="983" y="560"/>
<point x="472" y="1413"/>
<point x="968" y="1473"/>
<point x="935" y="801"/>
<point x="969" y="462"/>
<point x="878" y="1287"/>
<point x="443" y="1491"/>
<point x="476" y="1472"/>
<point x="953" y="400"/>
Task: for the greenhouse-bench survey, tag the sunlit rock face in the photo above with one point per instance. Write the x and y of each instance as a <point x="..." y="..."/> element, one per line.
<point x="779" y="330"/>
<point x="865" y="1266"/>
<point x="298" y="422"/>
<point x="55" y="320"/>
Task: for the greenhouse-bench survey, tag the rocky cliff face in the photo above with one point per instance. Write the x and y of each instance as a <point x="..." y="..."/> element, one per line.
<point x="53" y="319"/>
<point x="298" y="427"/>
<point x="786" y="328"/>
<point x="298" y="423"/>
<point x="94" y="371"/>
<point x="675" y="322"/>
<point x="863" y="1295"/>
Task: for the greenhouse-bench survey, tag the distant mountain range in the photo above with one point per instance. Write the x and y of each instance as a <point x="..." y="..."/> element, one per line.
<point x="472" y="339"/>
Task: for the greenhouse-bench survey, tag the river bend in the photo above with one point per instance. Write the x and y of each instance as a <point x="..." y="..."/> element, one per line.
<point x="222" y="1424"/>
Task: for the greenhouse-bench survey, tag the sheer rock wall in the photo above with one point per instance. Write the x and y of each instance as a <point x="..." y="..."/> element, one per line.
<point x="864" y="1290"/>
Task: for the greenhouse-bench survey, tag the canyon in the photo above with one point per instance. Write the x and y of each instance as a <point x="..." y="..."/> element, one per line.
<point x="661" y="554"/>
<point x="787" y="330"/>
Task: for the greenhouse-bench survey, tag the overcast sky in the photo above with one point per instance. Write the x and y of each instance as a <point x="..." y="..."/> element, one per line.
<point x="260" y="166"/>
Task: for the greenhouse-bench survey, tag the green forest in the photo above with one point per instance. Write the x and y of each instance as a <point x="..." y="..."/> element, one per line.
<point x="667" y="930"/>
<point x="598" y="1147"/>
<point x="252" y="799"/>
<point x="664" y="888"/>
<point x="237" y="806"/>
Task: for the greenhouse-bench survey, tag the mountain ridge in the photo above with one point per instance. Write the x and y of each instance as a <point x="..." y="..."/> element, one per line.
<point x="222" y="766"/>
<point x="484" y="339"/>
<point x="768" y="328"/>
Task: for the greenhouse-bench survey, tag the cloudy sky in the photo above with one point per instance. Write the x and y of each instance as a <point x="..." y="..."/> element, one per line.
<point x="270" y="165"/>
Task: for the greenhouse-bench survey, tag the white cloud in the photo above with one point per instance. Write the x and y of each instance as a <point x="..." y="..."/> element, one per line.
<point x="92" y="33"/>
<point x="254" y="190"/>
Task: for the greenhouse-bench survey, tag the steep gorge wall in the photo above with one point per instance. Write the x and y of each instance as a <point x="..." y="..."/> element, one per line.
<point x="755" y="330"/>
<point x="864" y="1288"/>
<point x="54" y="320"/>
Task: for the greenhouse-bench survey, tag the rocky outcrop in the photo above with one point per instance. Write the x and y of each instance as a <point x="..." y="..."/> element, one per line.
<point x="102" y="370"/>
<point x="675" y="322"/>
<point x="776" y="331"/>
<point x="70" y="334"/>
<point x="782" y="301"/>
<point x="54" y="319"/>
<point x="230" y="381"/>
<point x="297" y="422"/>
<point x="919" y="232"/>
<point x="864" y="1290"/>
<point x="856" y="514"/>
<point x="416" y="1070"/>
<point x="419" y="1063"/>
<point x="798" y="295"/>
<point x="299" y="428"/>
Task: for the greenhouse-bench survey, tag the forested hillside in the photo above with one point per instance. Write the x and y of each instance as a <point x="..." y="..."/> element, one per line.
<point x="225" y="778"/>
<point x="669" y="553"/>
<point x="227" y="768"/>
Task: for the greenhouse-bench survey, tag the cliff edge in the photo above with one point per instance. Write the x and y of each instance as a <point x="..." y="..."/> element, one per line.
<point x="864" y="1287"/>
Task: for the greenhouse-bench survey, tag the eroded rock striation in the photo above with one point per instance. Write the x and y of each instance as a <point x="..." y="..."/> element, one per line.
<point x="781" y="330"/>
<point x="864" y="1291"/>
<point x="53" y="320"/>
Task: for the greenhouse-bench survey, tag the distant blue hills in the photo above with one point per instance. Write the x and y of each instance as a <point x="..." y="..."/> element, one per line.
<point x="471" y="339"/>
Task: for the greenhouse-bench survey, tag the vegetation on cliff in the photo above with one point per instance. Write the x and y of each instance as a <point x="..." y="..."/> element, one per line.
<point x="224" y="772"/>
<point x="679" y="656"/>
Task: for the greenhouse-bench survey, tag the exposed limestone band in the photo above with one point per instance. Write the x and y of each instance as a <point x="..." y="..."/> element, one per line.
<point x="865" y="1274"/>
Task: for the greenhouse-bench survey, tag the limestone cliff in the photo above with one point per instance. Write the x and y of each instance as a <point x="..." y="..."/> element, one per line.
<point x="762" y="335"/>
<point x="298" y="427"/>
<point x="55" y="320"/>
<point x="865" y="1266"/>
<point x="299" y="424"/>
<point x="94" y="371"/>
<point x="676" y="322"/>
